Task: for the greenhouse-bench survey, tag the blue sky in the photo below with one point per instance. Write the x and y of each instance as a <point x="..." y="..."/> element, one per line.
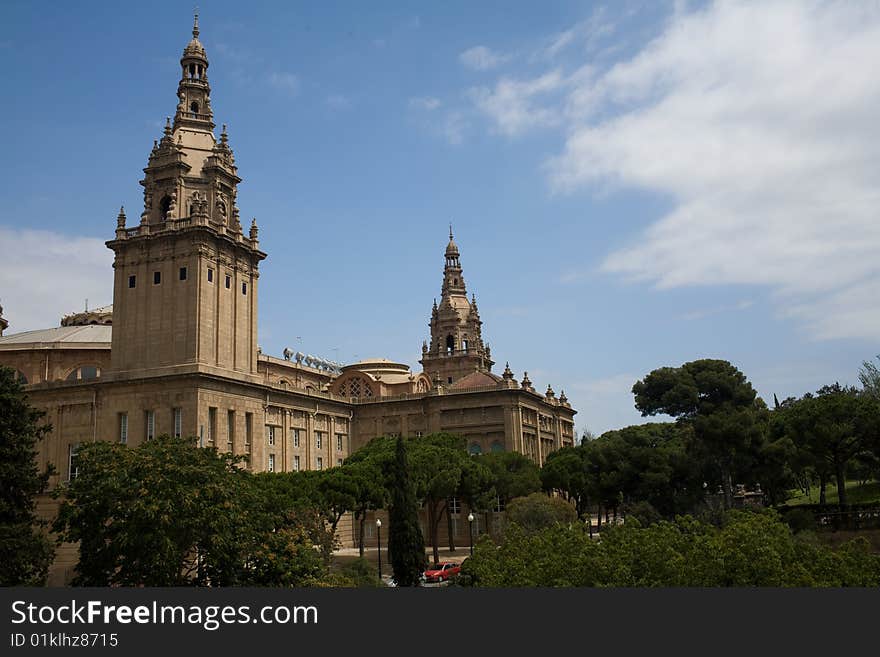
<point x="632" y="185"/>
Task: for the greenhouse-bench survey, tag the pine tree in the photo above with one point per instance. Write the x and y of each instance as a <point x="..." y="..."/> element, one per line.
<point x="27" y="553"/>
<point x="405" y="542"/>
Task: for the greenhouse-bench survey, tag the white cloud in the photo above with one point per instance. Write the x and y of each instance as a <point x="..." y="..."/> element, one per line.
<point x="283" y="81"/>
<point x="588" y="34"/>
<point x="338" y="102"/>
<point x="758" y="122"/>
<point x="481" y="58"/>
<point x="426" y="103"/>
<point x="454" y="126"/>
<point x="46" y="275"/>
<point x="702" y="313"/>
<point x="515" y="106"/>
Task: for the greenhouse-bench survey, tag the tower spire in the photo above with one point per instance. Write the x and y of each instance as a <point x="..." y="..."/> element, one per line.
<point x="196" y="23"/>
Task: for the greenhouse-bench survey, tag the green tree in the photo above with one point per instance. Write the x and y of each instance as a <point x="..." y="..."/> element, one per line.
<point x="567" y="470"/>
<point x="405" y="540"/>
<point x="831" y="428"/>
<point x="27" y="553"/>
<point x="869" y="376"/>
<point x="748" y="549"/>
<point x="716" y="401"/>
<point x="538" y="511"/>
<point x="168" y="513"/>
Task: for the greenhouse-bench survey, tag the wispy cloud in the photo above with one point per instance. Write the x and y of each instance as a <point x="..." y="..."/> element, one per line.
<point x="587" y="34"/>
<point x="717" y="310"/>
<point x="481" y="58"/>
<point x="757" y="120"/>
<point x="284" y="81"/>
<point x="516" y="106"/>
<point x="454" y="126"/>
<point x="338" y="102"/>
<point x="427" y="103"/>
<point x="46" y="275"/>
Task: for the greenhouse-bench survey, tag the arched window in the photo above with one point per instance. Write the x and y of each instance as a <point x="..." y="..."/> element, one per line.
<point x="84" y="373"/>
<point x="284" y="383"/>
<point x="464" y="345"/>
<point x="192" y="70"/>
<point x="194" y="108"/>
<point x="164" y="206"/>
<point x="450" y="344"/>
<point x="475" y="449"/>
<point x="497" y="447"/>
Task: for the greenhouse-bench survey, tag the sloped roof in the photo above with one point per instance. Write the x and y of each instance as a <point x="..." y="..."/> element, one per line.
<point x="476" y="379"/>
<point x="94" y="336"/>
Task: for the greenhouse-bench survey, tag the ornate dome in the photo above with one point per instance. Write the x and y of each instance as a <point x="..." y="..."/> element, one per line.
<point x="194" y="49"/>
<point x="452" y="247"/>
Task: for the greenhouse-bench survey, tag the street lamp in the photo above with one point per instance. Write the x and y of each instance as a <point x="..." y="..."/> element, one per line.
<point x="379" y="545"/>
<point x="471" y="526"/>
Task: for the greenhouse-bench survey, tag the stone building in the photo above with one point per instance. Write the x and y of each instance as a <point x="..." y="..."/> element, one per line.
<point x="177" y="352"/>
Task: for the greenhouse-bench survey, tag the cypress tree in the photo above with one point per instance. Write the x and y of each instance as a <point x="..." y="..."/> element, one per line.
<point x="405" y="540"/>
<point x="27" y="553"/>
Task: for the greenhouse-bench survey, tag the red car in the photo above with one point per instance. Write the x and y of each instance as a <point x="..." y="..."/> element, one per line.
<point x="441" y="572"/>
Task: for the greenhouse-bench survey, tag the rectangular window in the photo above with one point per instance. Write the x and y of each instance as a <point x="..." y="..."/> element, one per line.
<point x="271" y="463"/>
<point x="157" y="277"/>
<point x="150" y="422"/>
<point x="212" y="425"/>
<point x="295" y="437"/>
<point x="210" y="275"/>
<point x="132" y="281"/>
<point x="338" y="442"/>
<point x="270" y="435"/>
<point x="178" y="422"/>
<point x="228" y="281"/>
<point x="244" y="288"/>
<point x="123" y="428"/>
<point x="319" y="463"/>
<point x="183" y="273"/>
<point x="230" y="430"/>
<point x="72" y="464"/>
<point x="296" y="463"/>
<point x="339" y="462"/>
<point x="248" y="430"/>
<point x="454" y="505"/>
<point x="319" y="439"/>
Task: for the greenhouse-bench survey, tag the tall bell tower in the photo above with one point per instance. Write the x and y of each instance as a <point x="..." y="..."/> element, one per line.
<point x="185" y="283"/>
<point x="456" y="348"/>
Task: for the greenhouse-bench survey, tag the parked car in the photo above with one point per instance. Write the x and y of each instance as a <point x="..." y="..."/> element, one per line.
<point x="442" y="572"/>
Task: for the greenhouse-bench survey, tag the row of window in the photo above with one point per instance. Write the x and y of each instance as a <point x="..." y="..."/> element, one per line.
<point x="319" y="463"/>
<point x="182" y="274"/>
<point x="295" y="435"/>
<point x="150" y="424"/>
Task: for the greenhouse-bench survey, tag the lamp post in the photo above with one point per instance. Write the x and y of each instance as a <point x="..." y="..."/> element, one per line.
<point x="471" y="526"/>
<point x="379" y="545"/>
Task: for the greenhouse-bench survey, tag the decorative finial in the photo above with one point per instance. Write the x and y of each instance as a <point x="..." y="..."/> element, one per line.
<point x="196" y="23"/>
<point x="508" y="374"/>
<point x="223" y="136"/>
<point x="254" y="231"/>
<point x="450" y="231"/>
<point x="167" y="126"/>
<point x="120" y="218"/>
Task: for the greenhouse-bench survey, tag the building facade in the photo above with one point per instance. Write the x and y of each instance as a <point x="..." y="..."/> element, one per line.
<point x="177" y="352"/>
